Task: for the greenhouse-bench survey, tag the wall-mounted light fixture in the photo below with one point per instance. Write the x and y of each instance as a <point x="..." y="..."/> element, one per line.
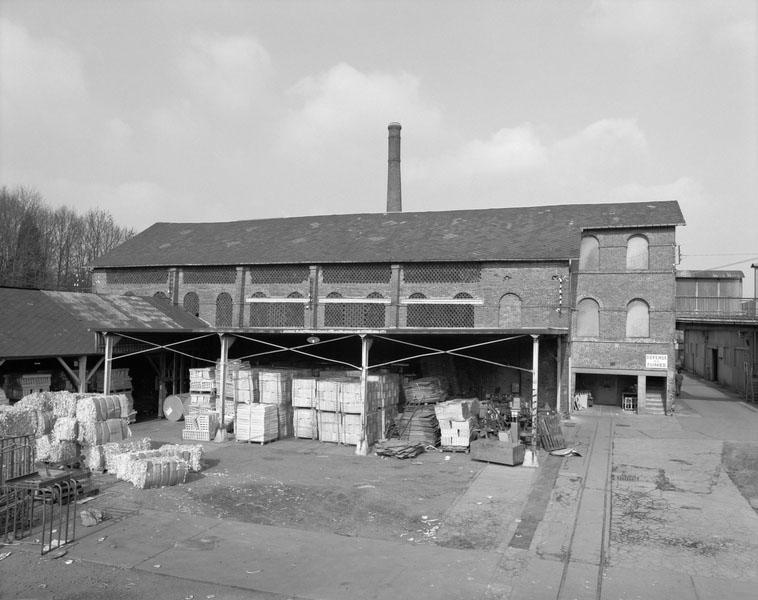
<point x="312" y="339"/>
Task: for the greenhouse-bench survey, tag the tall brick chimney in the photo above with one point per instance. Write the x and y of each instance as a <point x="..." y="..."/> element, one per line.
<point x="394" y="198"/>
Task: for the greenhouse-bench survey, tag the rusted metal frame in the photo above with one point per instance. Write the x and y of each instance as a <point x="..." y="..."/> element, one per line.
<point x="453" y="352"/>
<point x="297" y="350"/>
<point x="165" y="347"/>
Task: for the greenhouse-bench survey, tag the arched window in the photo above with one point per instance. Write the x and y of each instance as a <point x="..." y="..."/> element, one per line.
<point x="294" y="312"/>
<point x="334" y="314"/>
<point x="510" y="312"/>
<point x="191" y="303"/>
<point x="259" y="312"/>
<point x="587" y="318"/>
<point x="161" y="295"/>
<point x="460" y="315"/>
<point x="637" y="319"/>
<point x="224" y="310"/>
<point x="418" y="314"/>
<point x="637" y="253"/>
<point x="374" y="313"/>
<point x="589" y="254"/>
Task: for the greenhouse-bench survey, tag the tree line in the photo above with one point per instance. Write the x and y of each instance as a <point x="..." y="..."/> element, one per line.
<point x="49" y="248"/>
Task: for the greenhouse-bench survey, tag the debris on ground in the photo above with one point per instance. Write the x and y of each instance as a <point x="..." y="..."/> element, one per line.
<point x="91" y="517"/>
<point x="403" y="451"/>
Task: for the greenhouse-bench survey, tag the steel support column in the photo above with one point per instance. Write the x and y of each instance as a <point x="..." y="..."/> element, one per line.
<point x="362" y="448"/>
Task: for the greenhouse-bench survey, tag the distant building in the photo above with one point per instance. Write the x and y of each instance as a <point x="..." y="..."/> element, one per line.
<point x="719" y="328"/>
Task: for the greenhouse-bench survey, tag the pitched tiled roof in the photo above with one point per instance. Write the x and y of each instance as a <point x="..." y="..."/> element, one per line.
<point x="534" y="233"/>
<point x="37" y="323"/>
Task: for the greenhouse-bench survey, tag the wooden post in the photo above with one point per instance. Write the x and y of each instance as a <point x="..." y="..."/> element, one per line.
<point x="532" y="460"/>
<point x="559" y="374"/>
<point x="161" y="383"/>
<point x="83" y="374"/>
<point x="108" y="360"/>
<point x="361" y="448"/>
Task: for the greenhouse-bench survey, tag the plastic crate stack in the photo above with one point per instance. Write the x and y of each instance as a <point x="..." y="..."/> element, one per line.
<point x="32" y="383"/>
<point x="200" y="421"/>
<point x="458" y="419"/>
<point x="230" y="389"/>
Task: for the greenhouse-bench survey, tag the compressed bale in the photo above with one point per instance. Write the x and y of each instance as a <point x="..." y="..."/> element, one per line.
<point x="99" y="408"/>
<point x="51" y="450"/>
<point x="113" y="450"/>
<point x="65" y="429"/>
<point x="45" y="422"/>
<point x="64" y="404"/>
<point x="94" y="458"/>
<point x="103" y="432"/>
<point x="156" y="471"/>
<point x="192" y="454"/>
<point x="38" y="401"/>
<point x="17" y="421"/>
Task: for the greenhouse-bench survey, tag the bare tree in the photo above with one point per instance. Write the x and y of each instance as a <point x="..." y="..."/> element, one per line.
<point x="51" y="249"/>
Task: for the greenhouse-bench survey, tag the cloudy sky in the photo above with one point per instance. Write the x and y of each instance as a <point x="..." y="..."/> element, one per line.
<point x="197" y="111"/>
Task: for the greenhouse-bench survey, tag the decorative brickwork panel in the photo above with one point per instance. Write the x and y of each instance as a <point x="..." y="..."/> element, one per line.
<point x="356" y="273"/>
<point x="442" y="273"/>
<point x="276" y="314"/>
<point x="209" y="275"/>
<point x="136" y="276"/>
<point x="279" y="274"/>
<point x="440" y="315"/>
<point x="369" y="315"/>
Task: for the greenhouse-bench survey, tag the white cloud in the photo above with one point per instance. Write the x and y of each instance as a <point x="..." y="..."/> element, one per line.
<point x="603" y="153"/>
<point x="228" y="72"/>
<point x="340" y="106"/>
<point x="41" y="80"/>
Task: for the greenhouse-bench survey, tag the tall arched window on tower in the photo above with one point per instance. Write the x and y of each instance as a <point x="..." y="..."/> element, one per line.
<point x="637" y="253"/>
<point x="224" y="310"/>
<point x="589" y="254"/>
<point x="637" y="319"/>
<point x="587" y="318"/>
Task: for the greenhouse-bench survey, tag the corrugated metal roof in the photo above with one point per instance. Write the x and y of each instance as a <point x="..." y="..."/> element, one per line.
<point x="36" y="323"/>
<point x="710" y="274"/>
<point x="532" y="233"/>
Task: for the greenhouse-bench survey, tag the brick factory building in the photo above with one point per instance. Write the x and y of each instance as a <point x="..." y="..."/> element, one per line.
<point x="588" y="290"/>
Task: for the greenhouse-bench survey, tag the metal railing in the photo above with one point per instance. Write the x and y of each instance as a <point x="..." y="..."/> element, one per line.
<point x="712" y="307"/>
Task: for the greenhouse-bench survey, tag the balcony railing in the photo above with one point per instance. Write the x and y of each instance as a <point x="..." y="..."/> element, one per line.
<point x="711" y="307"/>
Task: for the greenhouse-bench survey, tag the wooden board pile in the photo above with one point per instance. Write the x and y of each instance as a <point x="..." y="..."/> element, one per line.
<point x="418" y="424"/>
<point x="427" y="390"/>
<point x="458" y="421"/>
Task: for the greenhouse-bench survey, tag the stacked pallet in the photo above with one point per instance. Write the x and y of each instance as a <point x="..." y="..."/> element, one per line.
<point x="257" y="423"/>
<point x="458" y="422"/>
<point x="275" y="388"/>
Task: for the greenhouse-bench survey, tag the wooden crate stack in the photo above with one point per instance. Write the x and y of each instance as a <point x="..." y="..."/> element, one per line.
<point x="330" y="408"/>
<point x="257" y="423"/>
<point x="458" y="421"/>
<point x="304" y="413"/>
